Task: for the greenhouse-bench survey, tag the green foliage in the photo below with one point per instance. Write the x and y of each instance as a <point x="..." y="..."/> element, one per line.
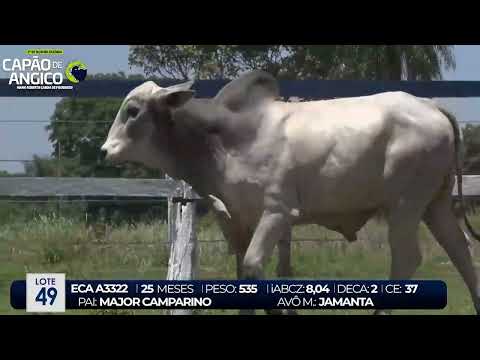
<point x="381" y="62"/>
<point x="24" y="212"/>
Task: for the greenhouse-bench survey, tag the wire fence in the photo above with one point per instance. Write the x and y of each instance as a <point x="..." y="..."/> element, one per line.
<point x="151" y="243"/>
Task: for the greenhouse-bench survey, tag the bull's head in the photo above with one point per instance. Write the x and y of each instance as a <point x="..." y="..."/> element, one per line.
<point x="142" y="123"/>
<point x="163" y="128"/>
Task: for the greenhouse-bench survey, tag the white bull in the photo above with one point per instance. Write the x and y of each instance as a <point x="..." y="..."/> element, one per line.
<point x="267" y="165"/>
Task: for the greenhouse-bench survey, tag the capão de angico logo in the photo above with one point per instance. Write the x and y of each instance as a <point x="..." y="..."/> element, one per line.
<point x="33" y="71"/>
<point x="37" y="70"/>
<point x="76" y="71"/>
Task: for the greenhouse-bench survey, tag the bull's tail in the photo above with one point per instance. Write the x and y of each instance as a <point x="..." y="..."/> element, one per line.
<point x="459" y="158"/>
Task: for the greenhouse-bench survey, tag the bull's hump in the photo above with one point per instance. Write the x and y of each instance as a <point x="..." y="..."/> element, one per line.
<point x="248" y="91"/>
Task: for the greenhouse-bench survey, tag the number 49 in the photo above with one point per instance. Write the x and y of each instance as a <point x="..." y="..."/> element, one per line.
<point x="44" y="293"/>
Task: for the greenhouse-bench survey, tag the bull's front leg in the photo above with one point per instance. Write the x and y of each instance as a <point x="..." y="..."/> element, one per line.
<point x="273" y="225"/>
<point x="270" y="229"/>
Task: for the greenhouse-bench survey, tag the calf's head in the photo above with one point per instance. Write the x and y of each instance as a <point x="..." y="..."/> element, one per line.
<point x="143" y="123"/>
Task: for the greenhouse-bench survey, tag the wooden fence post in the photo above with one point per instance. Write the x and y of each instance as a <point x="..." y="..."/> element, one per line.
<point x="182" y="264"/>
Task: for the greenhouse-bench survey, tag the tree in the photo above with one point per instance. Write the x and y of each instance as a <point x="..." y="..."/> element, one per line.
<point x="48" y="167"/>
<point x="414" y="62"/>
<point x="205" y="61"/>
<point x="374" y="62"/>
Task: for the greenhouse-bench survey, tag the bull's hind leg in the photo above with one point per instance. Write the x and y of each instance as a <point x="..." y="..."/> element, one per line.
<point x="406" y="256"/>
<point x="441" y="221"/>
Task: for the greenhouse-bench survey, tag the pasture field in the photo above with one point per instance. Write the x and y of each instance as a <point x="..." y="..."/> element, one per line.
<point x="51" y="243"/>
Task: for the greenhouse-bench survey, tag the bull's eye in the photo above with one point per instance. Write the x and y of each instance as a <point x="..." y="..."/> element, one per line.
<point x="132" y="111"/>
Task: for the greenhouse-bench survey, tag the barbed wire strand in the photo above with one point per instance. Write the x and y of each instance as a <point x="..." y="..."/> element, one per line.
<point x="98" y="243"/>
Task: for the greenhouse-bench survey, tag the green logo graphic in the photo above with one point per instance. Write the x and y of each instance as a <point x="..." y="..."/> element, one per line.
<point x="76" y="71"/>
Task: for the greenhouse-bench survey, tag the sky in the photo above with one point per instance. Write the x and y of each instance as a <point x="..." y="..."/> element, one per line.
<point x="22" y="141"/>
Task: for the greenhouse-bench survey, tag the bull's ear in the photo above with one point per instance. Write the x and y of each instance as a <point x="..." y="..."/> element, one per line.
<point x="173" y="96"/>
<point x="180" y="87"/>
<point x="177" y="95"/>
<point x="178" y="98"/>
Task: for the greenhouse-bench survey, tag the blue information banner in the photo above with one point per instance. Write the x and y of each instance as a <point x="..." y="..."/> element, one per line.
<point x="237" y="294"/>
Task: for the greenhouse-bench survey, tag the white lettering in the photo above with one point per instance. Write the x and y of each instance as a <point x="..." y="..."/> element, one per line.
<point x="120" y="302"/>
<point x="16" y="65"/>
<point x="36" y="64"/>
<point x="45" y="63"/>
<point x="13" y="78"/>
<point x="26" y="63"/>
<point x="4" y="62"/>
<point x="57" y="64"/>
<point x="341" y="302"/>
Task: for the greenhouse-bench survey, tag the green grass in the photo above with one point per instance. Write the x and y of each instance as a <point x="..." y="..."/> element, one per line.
<point x="49" y="243"/>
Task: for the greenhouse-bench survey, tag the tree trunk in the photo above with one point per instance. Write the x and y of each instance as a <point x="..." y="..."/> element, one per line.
<point x="393" y="64"/>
